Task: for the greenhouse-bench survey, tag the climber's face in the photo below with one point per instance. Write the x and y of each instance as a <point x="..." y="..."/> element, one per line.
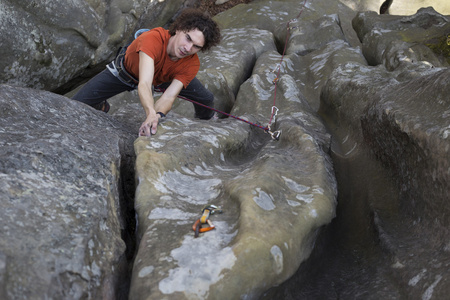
<point x="185" y="43"/>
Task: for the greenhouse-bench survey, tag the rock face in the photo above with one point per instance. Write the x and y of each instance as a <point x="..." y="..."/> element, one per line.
<point x="390" y="236"/>
<point x="412" y="136"/>
<point x="363" y="111"/>
<point x="411" y="133"/>
<point x="62" y="201"/>
<point x="46" y="45"/>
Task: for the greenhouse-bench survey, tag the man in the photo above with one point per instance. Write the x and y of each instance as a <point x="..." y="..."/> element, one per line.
<point x="160" y="58"/>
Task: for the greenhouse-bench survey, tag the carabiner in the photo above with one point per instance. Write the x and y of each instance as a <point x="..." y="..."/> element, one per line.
<point x="275" y="134"/>
<point x="197" y="227"/>
<point x="289" y="27"/>
<point x="204" y="219"/>
<point x="275" y="111"/>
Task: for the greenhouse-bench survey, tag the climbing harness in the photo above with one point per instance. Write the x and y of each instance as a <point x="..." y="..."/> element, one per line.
<point x="117" y="68"/>
<point x="204" y="219"/>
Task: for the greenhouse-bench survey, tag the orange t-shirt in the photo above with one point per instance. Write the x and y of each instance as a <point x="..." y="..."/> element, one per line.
<point x="154" y="43"/>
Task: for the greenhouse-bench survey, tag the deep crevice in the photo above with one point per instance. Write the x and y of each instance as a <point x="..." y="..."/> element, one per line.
<point x="349" y="257"/>
<point x="127" y="193"/>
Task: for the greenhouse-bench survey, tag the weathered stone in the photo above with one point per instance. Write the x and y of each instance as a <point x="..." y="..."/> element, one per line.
<point x="409" y="130"/>
<point x="256" y="181"/>
<point x="235" y="57"/>
<point x="314" y="69"/>
<point x="405" y="124"/>
<point x="228" y="65"/>
<point x="393" y="40"/>
<point x="344" y="96"/>
<point x="402" y="116"/>
<point x="307" y="37"/>
<point x="61" y="216"/>
<point x="265" y="15"/>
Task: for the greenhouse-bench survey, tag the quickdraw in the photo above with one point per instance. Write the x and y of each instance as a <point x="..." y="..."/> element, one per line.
<point x="204" y="219"/>
<point x="274" y="134"/>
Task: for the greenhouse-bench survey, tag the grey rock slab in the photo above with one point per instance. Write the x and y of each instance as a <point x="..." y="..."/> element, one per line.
<point x="61" y="222"/>
<point x="275" y="196"/>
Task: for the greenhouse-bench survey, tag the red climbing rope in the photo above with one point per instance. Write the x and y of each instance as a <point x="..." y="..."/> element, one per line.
<point x="216" y="110"/>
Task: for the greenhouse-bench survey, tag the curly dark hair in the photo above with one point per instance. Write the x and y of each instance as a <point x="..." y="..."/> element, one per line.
<point x="191" y="19"/>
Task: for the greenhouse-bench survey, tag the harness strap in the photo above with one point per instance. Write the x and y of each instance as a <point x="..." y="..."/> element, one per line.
<point x="117" y="68"/>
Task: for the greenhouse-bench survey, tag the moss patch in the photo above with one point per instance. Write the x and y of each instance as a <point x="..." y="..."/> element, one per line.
<point x="440" y="46"/>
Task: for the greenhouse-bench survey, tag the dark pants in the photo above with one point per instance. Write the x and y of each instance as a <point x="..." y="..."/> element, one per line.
<point x="105" y="85"/>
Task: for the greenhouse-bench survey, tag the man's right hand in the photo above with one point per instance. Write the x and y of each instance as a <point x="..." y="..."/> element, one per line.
<point x="149" y="127"/>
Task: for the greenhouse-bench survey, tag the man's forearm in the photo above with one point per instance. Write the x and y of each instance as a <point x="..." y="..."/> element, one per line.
<point x="146" y="98"/>
<point x="164" y="104"/>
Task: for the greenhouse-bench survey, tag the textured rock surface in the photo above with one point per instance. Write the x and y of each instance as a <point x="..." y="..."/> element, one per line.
<point x="183" y="171"/>
<point x="411" y="135"/>
<point x="61" y="219"/>
<point x="390" y="237"/>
